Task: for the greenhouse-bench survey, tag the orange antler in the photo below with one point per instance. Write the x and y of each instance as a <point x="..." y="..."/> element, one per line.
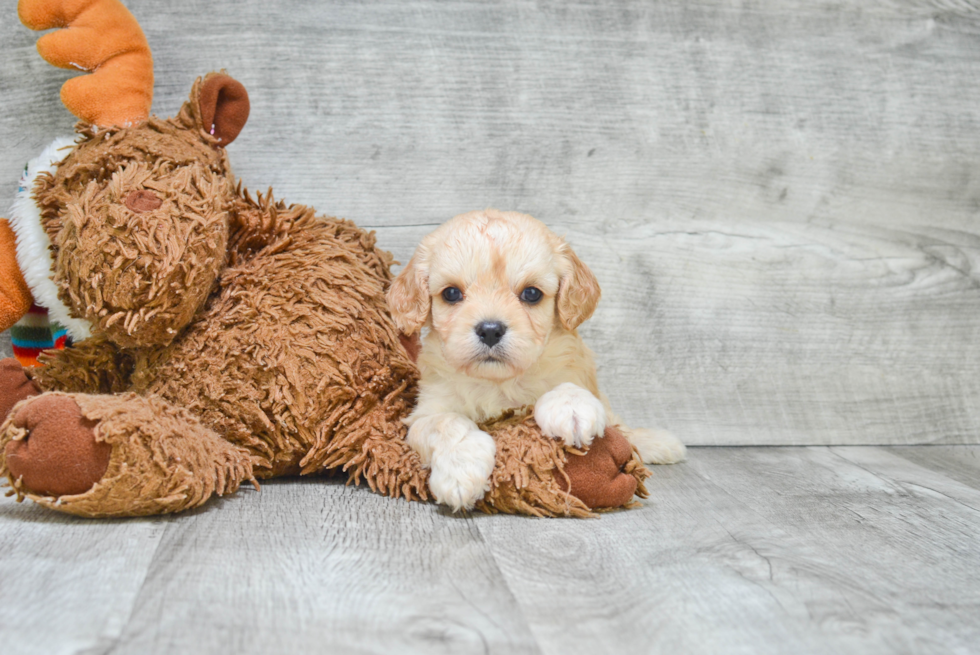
<point x="100" y="36"/>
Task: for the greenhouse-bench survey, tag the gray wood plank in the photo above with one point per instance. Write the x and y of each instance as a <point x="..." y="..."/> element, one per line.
<point x="69" y="584"/>
<point x="779" y="198"/>
<point x="957" y="462"/>
<point x="950" y="482"/>
<point x="758" y="550"/>
<point x="314" y="566"/>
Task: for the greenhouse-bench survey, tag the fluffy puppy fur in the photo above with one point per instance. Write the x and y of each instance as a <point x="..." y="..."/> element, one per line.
<point x="502" y="296"/>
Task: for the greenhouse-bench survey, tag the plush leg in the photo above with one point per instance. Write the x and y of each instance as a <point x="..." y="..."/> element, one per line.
<point x="533" y="474"/>
<point x="373" y="449"/>
<point x="538" y="475"/>
<point x="115" y="455"/>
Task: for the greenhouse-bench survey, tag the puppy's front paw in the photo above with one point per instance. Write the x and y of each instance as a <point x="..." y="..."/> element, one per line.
<point x="459" y="455"/>
<point x="460" y="474"/>
<point x="570" y="413"/>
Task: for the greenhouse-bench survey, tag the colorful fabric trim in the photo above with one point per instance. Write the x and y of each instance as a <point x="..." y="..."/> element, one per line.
<point x="34" y="333"/>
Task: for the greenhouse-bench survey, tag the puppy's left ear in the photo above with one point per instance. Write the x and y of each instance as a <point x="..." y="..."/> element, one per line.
<point x="578" y="291"/>
<point x="408" y="297"/>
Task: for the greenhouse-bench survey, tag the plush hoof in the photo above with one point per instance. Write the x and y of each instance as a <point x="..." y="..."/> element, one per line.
<point x="15" y="386"/>
<point x="597" y="478"/>
<point x="537" y="475"/>
<point x="59" y="455"/>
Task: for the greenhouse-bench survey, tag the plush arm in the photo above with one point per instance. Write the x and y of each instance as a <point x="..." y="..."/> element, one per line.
<point x="15" y="297"/>
<point x="91" y="366"/>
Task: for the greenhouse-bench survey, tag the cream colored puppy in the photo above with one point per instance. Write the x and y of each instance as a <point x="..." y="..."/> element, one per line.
<point x="502" y="296"/>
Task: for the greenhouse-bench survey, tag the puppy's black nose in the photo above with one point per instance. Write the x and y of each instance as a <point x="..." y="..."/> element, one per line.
<point x="490" y="332"/>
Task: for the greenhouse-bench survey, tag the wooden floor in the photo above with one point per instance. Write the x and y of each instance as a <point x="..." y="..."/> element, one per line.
<point x="740" y="550"/>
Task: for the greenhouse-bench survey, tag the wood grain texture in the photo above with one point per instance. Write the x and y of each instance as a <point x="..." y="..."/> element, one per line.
<point x="314" y="566"/>
<point x="69" y="585"/>
<point x="740" y="550"/>
<point x="778" y="550"/>
<point x="957" y="462"/>
<point x="780" y="199"/>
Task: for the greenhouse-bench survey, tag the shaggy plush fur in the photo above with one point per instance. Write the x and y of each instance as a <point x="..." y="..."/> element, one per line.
<point x="294" y="358"/>
<point x="264" y="322"/>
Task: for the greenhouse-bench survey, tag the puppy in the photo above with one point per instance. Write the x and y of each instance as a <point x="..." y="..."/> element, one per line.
<point x="502" y="296"/>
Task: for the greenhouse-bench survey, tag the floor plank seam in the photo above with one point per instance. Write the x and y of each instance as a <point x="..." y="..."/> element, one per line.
<point x="503" y="576"/>
<point x="124" y="626"/>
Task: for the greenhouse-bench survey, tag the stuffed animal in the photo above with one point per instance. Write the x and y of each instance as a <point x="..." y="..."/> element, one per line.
<point x="218" y="337"/>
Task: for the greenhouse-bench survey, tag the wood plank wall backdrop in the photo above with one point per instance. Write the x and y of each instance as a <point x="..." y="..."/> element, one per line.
<point x="779" y="198"/>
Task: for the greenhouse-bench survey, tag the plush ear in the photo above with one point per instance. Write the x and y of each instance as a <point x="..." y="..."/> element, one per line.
<point x="578" y="291"/>
<point x="224" y="106"/>
<point x="408" y="297"/>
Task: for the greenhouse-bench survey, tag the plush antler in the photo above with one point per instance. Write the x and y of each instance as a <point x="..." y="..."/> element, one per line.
<point x="101" y="37"/>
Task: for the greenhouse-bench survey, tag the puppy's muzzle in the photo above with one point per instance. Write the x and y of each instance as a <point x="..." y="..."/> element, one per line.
<point x="490" y="332"/>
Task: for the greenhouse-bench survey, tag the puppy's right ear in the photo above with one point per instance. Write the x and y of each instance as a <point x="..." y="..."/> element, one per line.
<point x="408" y="297"/>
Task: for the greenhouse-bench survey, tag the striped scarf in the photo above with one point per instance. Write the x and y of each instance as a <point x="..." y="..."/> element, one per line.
<point x="34" y="333"/>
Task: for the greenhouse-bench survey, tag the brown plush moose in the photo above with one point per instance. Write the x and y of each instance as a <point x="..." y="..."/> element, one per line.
<point x="219" y="338"/>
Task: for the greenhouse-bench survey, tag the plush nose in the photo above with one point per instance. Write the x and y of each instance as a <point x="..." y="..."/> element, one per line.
<point x="490" y="332"/>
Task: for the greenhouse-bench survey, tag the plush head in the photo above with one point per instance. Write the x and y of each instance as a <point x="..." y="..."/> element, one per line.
<point x="123" y="232"/>
<point x="137" y="219"/>
<point x="494" y="286"/>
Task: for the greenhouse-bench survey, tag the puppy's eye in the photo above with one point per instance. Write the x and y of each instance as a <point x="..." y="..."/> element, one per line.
<point x="452" y="295"/>
<point x="531" y="295"/>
